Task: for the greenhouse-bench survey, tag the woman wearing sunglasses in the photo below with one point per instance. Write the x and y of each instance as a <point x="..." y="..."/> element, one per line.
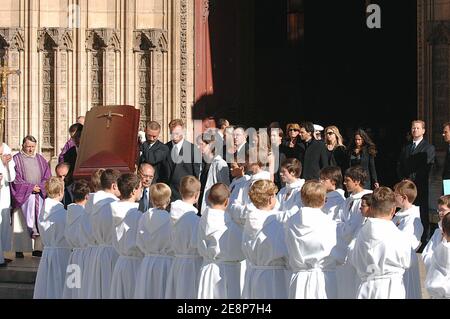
<point x="336" y="151"/>
<point x="292" y="147"/>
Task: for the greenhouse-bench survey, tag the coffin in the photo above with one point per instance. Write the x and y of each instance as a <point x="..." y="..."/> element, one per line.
<point x="109" y="140"/>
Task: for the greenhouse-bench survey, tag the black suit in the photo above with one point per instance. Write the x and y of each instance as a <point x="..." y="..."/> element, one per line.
<point x="156" y="155"/>
<point x="416" y="165"/>
<point x="315" y="158"/>
<point x="187" y="162"/>
<point x="446" y="172"/>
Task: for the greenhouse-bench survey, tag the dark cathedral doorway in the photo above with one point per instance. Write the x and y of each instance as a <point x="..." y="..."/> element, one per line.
<point x="259" y="61"/>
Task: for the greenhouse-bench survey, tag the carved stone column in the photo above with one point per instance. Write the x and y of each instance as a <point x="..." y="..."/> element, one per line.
<point x="13" y="40"/>
<point x="55" y="97"/>
<point x="439" y="38"/>
<point x="103" y="46"/>
<point x="150" y="48"/>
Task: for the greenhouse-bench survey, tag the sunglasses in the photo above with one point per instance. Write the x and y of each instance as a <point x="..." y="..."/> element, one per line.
<point x="330" y="133"/>
<point x="293" y="129"/>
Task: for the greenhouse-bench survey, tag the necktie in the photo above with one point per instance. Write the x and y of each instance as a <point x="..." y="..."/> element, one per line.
<point x="145" y="200"/>
<point x="413" y="147"/>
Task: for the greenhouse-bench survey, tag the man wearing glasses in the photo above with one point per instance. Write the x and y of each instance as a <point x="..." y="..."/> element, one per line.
<point x="146" y="173"/>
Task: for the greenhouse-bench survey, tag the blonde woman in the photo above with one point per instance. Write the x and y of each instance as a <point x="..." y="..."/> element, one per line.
<point x="336" y="151"/>
<point x="292" y="144"/>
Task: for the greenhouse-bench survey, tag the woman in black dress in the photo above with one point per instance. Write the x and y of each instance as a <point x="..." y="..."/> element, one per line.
<point x="292" y="146"/>
<point x="362" y="151"/>
<point x="336" y="151"/>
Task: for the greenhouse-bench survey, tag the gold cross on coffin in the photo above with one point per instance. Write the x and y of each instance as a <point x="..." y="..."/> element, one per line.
<point x="109" y="116"/>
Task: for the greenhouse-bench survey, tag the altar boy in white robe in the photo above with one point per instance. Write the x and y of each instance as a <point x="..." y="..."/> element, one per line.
<point x="331" y="178"/>
<point x="103" y="255"/>
<point x="263" y="244"/>
<point x="437" y="238"/>
<point x="72" y="232"/>
<point x="182" y="282"/>
<point x="153" y="239"/>
<point x="289" y="196"/>
<point x="407" y="219"/>
<point x="219" y="243"/>
<point x="310" y="239"/>
<point x="350" y="221"/>
<point x="437" y="281"/>
<point x="126" y="217"/>
<point x="52" y="222"/>
<point x="381" y="252"/>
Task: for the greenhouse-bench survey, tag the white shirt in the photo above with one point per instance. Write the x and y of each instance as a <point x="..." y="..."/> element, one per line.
<point x="417" y="142"/>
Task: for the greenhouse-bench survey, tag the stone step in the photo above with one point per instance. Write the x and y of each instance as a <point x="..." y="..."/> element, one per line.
<point x="19" y="275"/>
<point x="16" y="291"/>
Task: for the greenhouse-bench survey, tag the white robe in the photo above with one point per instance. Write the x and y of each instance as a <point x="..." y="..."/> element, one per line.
<point x="263" y="244"/>
<point x="289" y="196"/>
<point x="104" y="255"/>
<point x="310" y="239"/>
<point x="72" y="234"/>
<point x="409" y="222"/>
<point x="126" y="217"/>
<point x="437" y="281"/>
<point x="219" y="243"/>
<point x="9" y="175"/>
<point x="333" y="202"/>
<point x="52" y="266"/>
<point x="351" y="220"/>
<point x="218" y="173"/>
<point x="435" y="240"/>
<point x="153" y="239"/>
<point x="182" y="282"/>
<point x="380" y="255"/>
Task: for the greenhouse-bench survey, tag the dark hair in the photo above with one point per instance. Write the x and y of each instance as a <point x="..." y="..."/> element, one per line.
<point x="127" y="183"/>
<point x="368" y="199"/>
<point x="222" y="122"/>
<point x="383" y="200"/>
<point x="74" y="128"/>
<point x="293" y="166"/>
<point x="29" y="138"/>
<point x="153" y="125"/>
<point x="308" y="126"/>
<point x="357" y="174"/>
<point x="367" y="142"/>
<point x="218" y="194"/>
<point x="446" y="224"/>
<point x="80" y="190"/>
<point x="332" y="173"/>
<point x="108" y="177"/>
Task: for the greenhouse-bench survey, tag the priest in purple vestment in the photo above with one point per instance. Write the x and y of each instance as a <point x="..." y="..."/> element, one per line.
<point x="28" y="191"/>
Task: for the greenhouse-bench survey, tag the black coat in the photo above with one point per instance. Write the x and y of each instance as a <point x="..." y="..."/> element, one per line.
<point x="187" y="163"/>
<point x="416" y="166"/>
<point x="338" y="157"/>
<point x="315" y="158"/>
<point x="446" y="172"/>
<point x="156" y="156"/>
<point x="298" y="151"/>
<point x="367" y="162"/>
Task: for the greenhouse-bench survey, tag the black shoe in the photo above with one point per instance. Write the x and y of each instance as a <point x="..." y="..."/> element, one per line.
<point x="36" y="253"/>
<point x="7" y="260"/>
<point x="19" y="254"/>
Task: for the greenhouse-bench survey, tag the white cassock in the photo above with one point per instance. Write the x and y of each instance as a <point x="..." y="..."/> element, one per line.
<point x="72" y="233"/>
<point x="89" y="243"/>
<point x="289" y="196"/>
<point x="219" y="243"/>
<point x="53" y="264"/>
<point x="435" y="240"/>
<point x="153" y="239"/>
<point x="126" y="217"/>
<point x="380" y="255"/>
<point x="310" y="239"/>
<point x="350" y="221"/>
<point x="9" y="175"/>
<point x="409" y="222"/>
<point x="182" y="282"/>
<point x="218" y="173"/>
<point x="263" y="244"/>
<point x="333" y="202"/>
<point x="437" y="281"/>
<point x="103" y="255"/>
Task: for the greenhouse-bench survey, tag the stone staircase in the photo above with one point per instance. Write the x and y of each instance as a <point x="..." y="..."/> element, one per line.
<point x="17" y="279"/>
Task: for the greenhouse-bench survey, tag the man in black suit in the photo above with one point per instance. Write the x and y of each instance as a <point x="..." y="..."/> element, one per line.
<point x="154" y="152"/>
<point x="183" y="158"/>
<point x="146" y="173"/>
<point x="315" y="152"/>
<point x="415" y="162"/>
<point x="446" y="136"/>
<point x="62" y="170"/>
